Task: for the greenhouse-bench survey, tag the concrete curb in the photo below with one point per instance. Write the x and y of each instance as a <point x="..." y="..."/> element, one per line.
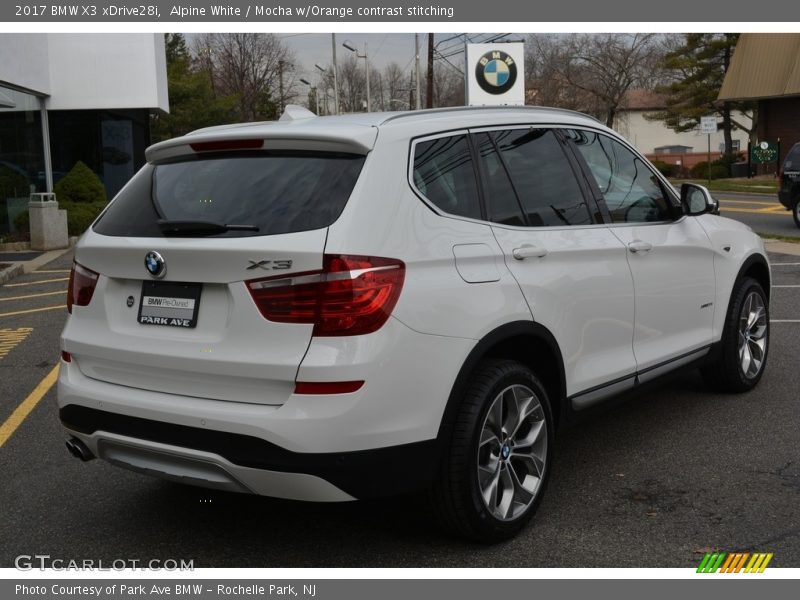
<point x="28" y="266"/>
<point x="11" y="271"/>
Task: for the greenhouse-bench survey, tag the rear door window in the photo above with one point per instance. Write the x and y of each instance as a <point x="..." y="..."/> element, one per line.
<point x="546" y="187"/>
<point x="267" y="193"/>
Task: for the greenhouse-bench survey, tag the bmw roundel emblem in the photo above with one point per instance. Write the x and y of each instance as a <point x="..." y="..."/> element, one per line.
<point x="155" y="265"/>
<point x="496" y="72"/>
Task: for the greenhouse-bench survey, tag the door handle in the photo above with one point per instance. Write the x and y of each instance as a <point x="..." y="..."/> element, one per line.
<point x="528" y="251"/>
<point x="639" y="246"/>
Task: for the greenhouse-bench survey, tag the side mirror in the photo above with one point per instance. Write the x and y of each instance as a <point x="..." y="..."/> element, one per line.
<point x="697" y="200"/>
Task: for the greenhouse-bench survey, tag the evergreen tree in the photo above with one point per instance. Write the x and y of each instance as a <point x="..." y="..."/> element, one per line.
<point x="699" y="66"/>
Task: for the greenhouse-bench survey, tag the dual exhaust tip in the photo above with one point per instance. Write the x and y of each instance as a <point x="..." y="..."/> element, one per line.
<point x="79" y="450"/>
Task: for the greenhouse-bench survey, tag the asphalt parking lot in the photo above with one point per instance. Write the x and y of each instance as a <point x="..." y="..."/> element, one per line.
<point x="654" y="482"/>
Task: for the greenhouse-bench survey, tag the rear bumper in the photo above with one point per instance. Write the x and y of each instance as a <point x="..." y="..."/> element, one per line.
<point x="785" y="198"/>
<point x="378" y="440"/>
<point x="241" y="463"/>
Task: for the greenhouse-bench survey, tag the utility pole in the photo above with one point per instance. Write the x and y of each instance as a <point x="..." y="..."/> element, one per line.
<point x="418" y="103"/>
<point x="429" y="87"/>
<point x="335" y="80"/>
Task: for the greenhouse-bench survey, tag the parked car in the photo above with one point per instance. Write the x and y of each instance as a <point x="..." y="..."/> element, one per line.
<point x="789" y="192"/>
<point x="335" y="308"/>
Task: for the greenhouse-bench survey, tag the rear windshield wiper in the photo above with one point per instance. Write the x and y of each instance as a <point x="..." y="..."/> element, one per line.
<point x="176" y="227"/>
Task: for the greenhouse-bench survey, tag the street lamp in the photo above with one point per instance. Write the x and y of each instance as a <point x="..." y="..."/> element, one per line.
<point x="313" y="88"/>
<point x="352" y="48"/>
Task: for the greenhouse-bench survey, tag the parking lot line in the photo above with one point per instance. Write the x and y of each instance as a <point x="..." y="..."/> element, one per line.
<point x="786" y="286"/>
<point x="784" y="320"/>
<point x="20" y="413"/>
<point x="11" y="338"/>
<point x="51" y="271"/>
<point x="36" y="282"/>
<point x="60" y="292"/>
<point x="32" y="310"/>
<point x="782" y="264"/>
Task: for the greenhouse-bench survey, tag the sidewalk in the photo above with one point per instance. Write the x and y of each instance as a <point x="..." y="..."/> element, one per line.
<point x="14" y="263"/>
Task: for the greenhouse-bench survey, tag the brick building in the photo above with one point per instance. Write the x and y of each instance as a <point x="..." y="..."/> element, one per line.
<point x="766" y="68"/>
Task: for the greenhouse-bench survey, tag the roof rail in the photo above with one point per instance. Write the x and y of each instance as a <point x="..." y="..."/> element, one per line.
<point x="408" y="114"/>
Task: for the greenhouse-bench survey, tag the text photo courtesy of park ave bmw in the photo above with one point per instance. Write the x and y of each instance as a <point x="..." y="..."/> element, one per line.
<point x="345" y="290"/>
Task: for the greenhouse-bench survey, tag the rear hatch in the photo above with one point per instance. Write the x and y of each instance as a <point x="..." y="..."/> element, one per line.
<point x="171" y="310"/>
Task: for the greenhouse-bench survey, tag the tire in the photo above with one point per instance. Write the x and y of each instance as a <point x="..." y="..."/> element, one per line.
<point x="745" y="341"/>
<point x="514" y="459"/>
<point x="796" y="210"/>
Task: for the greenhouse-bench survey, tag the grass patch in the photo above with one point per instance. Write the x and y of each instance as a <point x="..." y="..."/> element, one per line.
<point x="780" y="238"/>
<point x="767" y="185"/>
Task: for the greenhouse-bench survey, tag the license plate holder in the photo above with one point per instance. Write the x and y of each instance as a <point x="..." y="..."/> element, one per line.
<point x="168" y="303"/>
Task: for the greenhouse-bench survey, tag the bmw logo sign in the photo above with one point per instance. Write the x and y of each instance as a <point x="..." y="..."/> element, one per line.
<point x="155" y="265"/>
<point x="496" y="72"/>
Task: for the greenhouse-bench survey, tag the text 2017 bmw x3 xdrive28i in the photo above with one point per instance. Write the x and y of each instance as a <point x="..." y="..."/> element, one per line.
<point x="342" y="307"/>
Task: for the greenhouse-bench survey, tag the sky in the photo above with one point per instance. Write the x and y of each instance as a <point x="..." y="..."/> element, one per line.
<point x="382" y="48"/>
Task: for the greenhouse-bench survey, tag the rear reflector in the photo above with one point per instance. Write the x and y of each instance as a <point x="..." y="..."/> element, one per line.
<point x="351" y="295"/>
<point x="82" y="282"/>
<point x="66" y="356"/>
<point x="327" y="387"/>
<point x="222" y="145"/>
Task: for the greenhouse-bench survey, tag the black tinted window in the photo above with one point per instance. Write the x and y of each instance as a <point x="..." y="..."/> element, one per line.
<point x="444" y="174"/>
<point x="275" y="192"/>
<point x="792" y="162"/>
<point x="631" y="190"/>
<point x="542" y="177"/>
<point x="502" y="204"/>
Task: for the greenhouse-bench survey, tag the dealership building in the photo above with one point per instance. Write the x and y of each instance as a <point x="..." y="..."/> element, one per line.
<point x="71" y="97"/>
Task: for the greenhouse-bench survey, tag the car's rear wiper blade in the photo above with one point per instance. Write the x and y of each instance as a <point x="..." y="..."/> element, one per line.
<point x="177" y="227"/>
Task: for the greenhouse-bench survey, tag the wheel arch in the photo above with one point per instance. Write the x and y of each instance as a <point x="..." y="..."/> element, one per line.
<point x="757" y="267"/>
<point x="525" y="341"/>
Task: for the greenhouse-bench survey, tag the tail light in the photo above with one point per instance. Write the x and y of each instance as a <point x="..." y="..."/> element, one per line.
<point x="82" y="282"/>
<point x="351" y="295"/>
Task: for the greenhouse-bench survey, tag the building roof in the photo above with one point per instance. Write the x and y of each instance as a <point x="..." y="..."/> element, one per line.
<point x="764" y="65"/>
<point x="643" y="100"/>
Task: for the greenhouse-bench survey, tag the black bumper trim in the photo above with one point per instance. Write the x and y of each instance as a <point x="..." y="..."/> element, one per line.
<point x="362" y="474"/>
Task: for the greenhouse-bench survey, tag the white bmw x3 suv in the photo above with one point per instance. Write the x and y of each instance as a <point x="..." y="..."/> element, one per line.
<point x="342" y="307"/>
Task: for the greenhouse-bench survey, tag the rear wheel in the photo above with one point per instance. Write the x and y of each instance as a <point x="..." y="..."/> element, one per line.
<point x="498" y="461"/>
<point x="745" y="341"/>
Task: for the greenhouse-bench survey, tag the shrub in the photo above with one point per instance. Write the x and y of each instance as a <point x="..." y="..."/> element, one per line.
<point x="80" y="215"/>
<point x="22" y="222"/>
<point x="666" y="169"/>
<point x="80" y="185"/>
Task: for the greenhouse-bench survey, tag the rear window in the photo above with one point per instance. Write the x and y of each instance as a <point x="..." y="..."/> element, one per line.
<point x="268" y="193"/>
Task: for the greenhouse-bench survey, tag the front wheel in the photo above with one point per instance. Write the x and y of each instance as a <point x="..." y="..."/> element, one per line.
<point x="745" y="341"/>
<point x="497" y="464"/>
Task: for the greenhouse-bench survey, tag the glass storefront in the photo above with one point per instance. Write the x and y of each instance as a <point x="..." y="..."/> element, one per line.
<point x="22" y="166"/>
<point x="110" y="142"/>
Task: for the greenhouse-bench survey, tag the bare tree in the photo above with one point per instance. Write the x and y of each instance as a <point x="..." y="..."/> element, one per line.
<point x="256" y="67"/>
<point x="592" y="72"/>
<point x="394" y="87"/>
